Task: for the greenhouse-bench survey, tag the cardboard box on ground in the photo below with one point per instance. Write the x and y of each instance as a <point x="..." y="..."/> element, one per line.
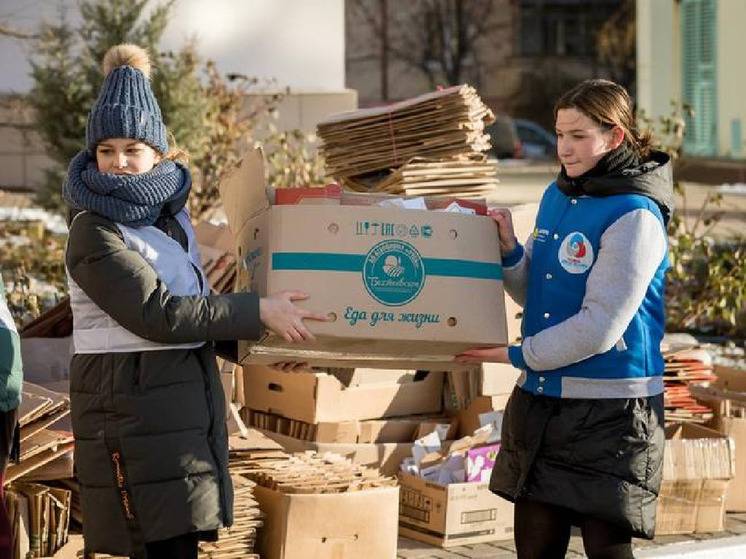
<point x="312" y="504"/>
<point x="452" y="515"/>
<point x="351" y="394"/>
<point x="405" y="287"/>
<point x="698" y="465"/>
<point x="727" y="397"/>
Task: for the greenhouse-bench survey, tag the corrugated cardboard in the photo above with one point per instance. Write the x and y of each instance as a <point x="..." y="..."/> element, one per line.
<point x="698" y="464"/>
<point x="402" y="286"/>
<point x="500" y="378"/>
<point x="328" y="526"/>
<point x="468" y="419"/>
<point x="386" y="457"/>
<point x="454" y="514"/>
<point x="393" y="430"/>
<point x="320" y="397"/>
<point x="727" y="396"/>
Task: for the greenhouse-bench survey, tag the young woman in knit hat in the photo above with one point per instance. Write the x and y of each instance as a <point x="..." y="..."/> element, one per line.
<point x="582" y="437"/>
<point x="151" y="448"/>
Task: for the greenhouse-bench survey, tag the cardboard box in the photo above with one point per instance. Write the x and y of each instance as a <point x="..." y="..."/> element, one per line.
<point x="697" y="466"/>
<point x="329" y="525"/>
<point x="316" y="397"/>
<point x="468" y="419"/>
<point x="454" y="514"/>
<point x="498" y="378"/>
<point x="727" y="397"/>
<point x="402" y="286"/>
<point x="386" y="457"/>
<point x="394" y="430"/>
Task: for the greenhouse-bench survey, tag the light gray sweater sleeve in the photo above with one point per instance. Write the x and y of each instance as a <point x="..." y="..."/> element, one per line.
<point x="515" y="278"/>
<point x="630" y="252"/>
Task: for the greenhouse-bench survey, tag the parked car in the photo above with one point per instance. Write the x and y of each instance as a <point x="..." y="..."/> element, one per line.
<point x="504" y="138"/>
<point x="536" y="141"/>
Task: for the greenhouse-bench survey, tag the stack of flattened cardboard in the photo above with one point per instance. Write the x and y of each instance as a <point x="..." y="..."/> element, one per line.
<point x="445" y="123"/>
<point x="682" y="369"/>
<point x="431" y="145"/>
<point x="40" y="445"/>
<point x="238" y="541"/>
<point x="320" y="506"/>
<point x="727" y="397"/>
<point x="40" y="519"/>
<point x="392" y="430"/>
<point x="370" y="415"/>
<point x="698" y="464"/>
<point x="40" y="513"/>
<point x="469" y="176"/>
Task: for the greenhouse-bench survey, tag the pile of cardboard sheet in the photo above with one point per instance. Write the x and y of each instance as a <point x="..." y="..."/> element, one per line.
<point x="42" y="447"/>
<point x="699" y="464"/>
<point x="318" y="505"/>
<point x="40" y="519"/>
<point x="238" y="541"/>
<point x="393" y="430"/>
<point x="373" y="415"/>
<point x="470" y="176"/>
<point x="431" y="143"/>
<point x="683" y="368"/>
<point x="310" y="472"/>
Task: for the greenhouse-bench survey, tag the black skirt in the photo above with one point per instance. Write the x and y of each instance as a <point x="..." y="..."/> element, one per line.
<point x="598" y="457"/>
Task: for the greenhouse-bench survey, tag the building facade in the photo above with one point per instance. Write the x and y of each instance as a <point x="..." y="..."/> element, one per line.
<point x="689" y="52"/>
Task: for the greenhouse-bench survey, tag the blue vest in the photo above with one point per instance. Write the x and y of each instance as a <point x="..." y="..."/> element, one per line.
<point x="566" y="243"/>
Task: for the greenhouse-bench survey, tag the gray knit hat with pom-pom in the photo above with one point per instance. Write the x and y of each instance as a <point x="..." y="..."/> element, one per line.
<point x="126" y="106"/>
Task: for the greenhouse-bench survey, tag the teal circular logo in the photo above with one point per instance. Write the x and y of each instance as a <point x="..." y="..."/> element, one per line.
<point x="393" y="272"/>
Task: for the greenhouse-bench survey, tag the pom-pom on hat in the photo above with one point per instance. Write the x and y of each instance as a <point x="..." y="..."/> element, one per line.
<point x="126" y="106"/>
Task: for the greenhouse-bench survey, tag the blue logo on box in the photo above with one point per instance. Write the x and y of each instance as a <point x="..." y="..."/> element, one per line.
<point x="393" y="272"/>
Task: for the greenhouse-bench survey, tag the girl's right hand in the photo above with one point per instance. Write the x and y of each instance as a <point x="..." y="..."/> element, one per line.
<point x="282" y="316"/>
<point x="506" y="233"/>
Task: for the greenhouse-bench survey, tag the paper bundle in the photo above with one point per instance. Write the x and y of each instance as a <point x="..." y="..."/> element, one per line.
<point x="308" y="472"/>
<point x="470" y="176"/>
<point x="682" y="369"/>
<point x="238" y="541"/>
<point x="40" y="409"/>
<point x="428" y="145"/>
<point x="40" y="519"/>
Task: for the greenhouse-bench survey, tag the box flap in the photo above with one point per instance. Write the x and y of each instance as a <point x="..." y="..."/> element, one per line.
<point x="243" y="191"/>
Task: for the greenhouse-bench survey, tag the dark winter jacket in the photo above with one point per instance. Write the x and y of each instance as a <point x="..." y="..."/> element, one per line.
<point x="151" y="448"/>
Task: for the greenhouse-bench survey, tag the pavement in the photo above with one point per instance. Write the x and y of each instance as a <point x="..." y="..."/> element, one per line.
<point x="729" y="544"/>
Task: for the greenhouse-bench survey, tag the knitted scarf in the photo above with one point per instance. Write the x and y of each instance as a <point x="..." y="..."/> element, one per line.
<point x="134" y="200"/>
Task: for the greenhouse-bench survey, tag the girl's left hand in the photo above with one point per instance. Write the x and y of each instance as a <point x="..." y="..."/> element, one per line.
<point x="484" y="354"/>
